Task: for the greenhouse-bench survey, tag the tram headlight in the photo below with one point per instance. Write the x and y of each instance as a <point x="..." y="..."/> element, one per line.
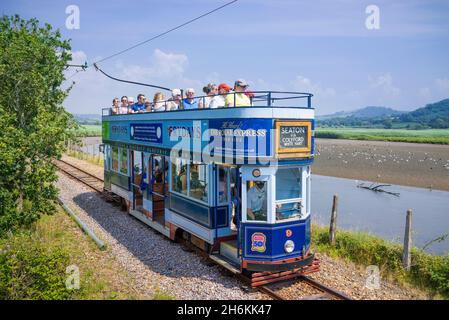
<point x="289" y="246"/>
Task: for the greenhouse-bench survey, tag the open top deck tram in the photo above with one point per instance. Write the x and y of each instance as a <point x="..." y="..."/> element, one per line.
<point x="233" y="181"/>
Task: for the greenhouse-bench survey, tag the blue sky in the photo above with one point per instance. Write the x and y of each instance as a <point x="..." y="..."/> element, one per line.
<point x="321" y="47"/>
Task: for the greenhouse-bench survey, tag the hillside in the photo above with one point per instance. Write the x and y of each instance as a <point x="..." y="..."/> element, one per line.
<point x="367" y="112"/>
<point x="93" y="119"/>
<point x="435" y="115"/>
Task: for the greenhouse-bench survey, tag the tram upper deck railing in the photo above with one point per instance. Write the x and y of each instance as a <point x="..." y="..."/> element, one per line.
<point x="258" y="99"/>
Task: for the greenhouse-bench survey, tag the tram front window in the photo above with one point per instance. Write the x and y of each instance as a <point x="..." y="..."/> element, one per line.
<point x="288" y="193"/>
<point x="256" y="201"/>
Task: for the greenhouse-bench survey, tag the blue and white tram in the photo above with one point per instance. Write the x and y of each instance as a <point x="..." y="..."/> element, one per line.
<point x="233" y="181"/>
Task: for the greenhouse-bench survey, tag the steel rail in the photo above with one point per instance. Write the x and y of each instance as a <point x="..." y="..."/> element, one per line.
<point x="65" y="167"/>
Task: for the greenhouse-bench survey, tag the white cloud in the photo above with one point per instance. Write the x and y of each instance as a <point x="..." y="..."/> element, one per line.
<point x="442" y="84"/>
<point x="384" y="82"/>
<point x="304" y="84"/>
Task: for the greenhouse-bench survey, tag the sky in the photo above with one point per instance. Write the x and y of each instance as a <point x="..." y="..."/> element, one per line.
<point x="335" y="49"/>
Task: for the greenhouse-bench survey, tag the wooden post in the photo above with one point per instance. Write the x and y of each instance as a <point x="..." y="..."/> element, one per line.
<point x="333" y="225"/>
<point x="406" y="257"/>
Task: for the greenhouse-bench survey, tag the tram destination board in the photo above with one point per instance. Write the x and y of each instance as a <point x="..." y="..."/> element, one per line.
<point x="293" y="136"/>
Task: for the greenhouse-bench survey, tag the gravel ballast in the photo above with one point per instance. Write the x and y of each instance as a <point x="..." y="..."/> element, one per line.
<point x="157" y="264"/>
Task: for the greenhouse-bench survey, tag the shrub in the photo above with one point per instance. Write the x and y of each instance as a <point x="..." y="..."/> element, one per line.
<point x="30" y="270"/>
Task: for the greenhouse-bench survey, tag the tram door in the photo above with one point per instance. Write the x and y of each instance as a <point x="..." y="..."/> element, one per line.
<point x="137" y="170"/>
<point x="159" y="168"/>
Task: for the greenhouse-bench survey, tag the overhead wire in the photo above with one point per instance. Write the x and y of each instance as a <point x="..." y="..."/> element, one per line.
<point x="163" y="33"/>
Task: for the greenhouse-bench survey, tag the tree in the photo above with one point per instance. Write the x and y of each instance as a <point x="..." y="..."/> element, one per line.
<point x="33" y="122"/>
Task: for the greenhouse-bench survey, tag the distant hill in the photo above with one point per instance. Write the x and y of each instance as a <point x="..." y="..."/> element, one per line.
<point x="367" y="112"/>
<point x="87" y="118"/>
<point x="435" y="115"/>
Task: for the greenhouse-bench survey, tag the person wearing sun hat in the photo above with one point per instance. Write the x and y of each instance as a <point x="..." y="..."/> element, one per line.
<point x="238" y="98"/>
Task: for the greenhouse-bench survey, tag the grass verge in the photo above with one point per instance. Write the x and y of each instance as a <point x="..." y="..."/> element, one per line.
<point x="428" y="271"/>
<point x="33" y="264"/>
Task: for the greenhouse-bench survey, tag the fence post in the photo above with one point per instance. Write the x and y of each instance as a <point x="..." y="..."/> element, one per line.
<point x="406" y="257"/>
<point x="333" y="225"/>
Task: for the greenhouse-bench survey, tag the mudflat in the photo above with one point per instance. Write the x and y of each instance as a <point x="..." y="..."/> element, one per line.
<point x="401" y="163"/>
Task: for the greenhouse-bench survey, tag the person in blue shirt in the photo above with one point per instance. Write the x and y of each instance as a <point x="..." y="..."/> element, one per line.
<point x="190" y="102"/>
<point x="139" y="106"/>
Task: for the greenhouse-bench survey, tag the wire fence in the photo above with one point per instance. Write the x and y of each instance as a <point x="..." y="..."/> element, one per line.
<point x="85" y="151"/>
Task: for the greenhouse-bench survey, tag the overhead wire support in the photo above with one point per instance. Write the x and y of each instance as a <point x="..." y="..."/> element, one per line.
<point x="127" y="81"/>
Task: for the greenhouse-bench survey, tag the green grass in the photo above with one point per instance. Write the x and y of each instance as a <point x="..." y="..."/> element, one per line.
<point x="33" y="265"/>
<point x="428" y="271"/>
<point x="436" y="136"/>
<point x="88" y="130"/>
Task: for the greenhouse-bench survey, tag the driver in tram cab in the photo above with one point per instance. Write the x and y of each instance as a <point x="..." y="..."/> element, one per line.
<point x="256" y="202"/>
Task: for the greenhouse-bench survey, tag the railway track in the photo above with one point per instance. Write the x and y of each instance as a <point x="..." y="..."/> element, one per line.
<point x="97" y="184"/>
<point x="86" y="178"/>
<point x="325" y="292"/>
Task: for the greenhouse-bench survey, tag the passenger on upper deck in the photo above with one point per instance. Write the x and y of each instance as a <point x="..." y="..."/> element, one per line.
<point x="139" y="106"/>
<point x="211" y="90"/>
<point x="115" y="106"/>
<point x="158" y="104"/>
<point x="190" y="102"/>
<point x="130" y="103"/>
<point x="148" y="107"/>
<point x="175" y="101"/>
<point x="123" y="106"/>
<point x="238" y="99"/>
<point x="219" y="100"/>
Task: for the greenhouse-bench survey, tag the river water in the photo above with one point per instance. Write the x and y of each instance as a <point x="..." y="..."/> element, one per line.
<point x="383" y="214"/>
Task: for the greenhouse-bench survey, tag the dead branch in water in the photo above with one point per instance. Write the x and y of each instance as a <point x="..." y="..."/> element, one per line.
<point x="377" y="188"/>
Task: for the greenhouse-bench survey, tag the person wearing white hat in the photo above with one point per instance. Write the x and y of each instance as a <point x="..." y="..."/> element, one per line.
<point x="238" y="98"/>
<point x="175" y="101"/>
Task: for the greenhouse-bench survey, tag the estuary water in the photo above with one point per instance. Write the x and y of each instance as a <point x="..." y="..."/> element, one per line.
<point x="383" y="214"/>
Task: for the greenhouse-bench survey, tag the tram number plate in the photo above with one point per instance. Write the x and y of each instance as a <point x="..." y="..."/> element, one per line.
<point x="293" y="137"/>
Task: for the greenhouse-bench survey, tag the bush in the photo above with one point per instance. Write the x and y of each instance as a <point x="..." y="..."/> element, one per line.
<point x="30" y="270"/>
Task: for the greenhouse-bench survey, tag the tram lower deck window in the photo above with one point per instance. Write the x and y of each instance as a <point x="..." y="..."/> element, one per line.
<point x="124" y="161"/>
<point x="114" y="159"/>
<point x="179" y="176"/>
<point x="198" y="181"/>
